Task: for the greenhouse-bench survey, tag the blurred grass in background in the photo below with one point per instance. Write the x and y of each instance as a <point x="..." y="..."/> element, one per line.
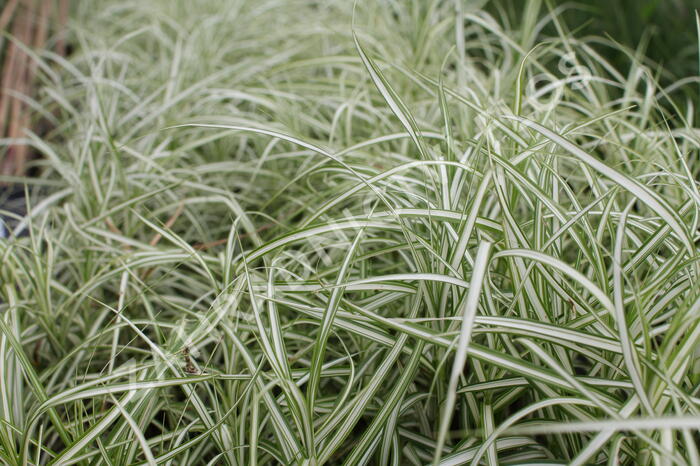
<point x="663" y="32"/>
<point x="664" y="29"/>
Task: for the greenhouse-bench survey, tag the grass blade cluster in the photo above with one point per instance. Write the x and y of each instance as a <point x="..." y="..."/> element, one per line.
<point x="273" y="232"/>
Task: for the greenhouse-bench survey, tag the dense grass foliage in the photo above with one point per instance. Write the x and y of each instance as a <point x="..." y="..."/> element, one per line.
<point x="262" y="234"/>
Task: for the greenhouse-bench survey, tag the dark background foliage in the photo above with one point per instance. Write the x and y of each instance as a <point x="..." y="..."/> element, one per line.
<point x="663" y="30"/>
<point x="661" y="33"/>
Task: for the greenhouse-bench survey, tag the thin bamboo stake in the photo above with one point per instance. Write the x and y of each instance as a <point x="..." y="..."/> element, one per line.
<point x="16" y="86"/>
<point x="29" y="23"/>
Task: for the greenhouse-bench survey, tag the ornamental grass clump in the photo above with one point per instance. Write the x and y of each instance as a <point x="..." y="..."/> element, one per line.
<point x="268" y="232"/>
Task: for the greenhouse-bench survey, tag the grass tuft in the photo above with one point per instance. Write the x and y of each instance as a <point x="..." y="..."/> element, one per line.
<point x="280" y="232"/>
